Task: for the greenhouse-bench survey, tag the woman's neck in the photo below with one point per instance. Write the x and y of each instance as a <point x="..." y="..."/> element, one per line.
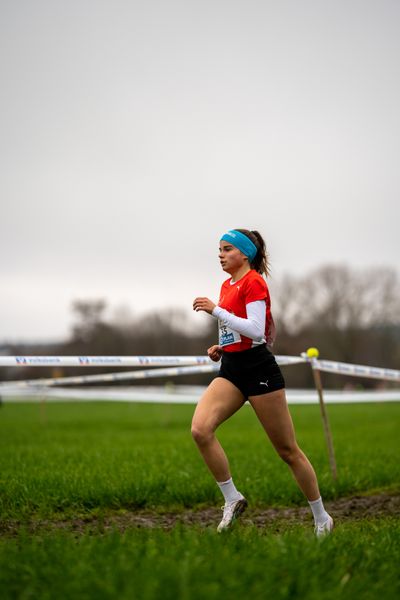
<point x="236" y="275"/>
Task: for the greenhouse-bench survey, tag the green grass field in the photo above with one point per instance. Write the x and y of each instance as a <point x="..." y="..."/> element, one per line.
<point x="61" y="462"/>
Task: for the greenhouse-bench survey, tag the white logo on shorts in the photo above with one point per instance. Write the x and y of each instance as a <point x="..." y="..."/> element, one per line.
<point x="264" y="383"/>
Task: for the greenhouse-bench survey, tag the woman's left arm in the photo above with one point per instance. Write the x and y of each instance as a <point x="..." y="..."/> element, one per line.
<point x="253" y="327"/>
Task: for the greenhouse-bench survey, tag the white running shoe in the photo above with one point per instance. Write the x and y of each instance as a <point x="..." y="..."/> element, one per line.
<point x="231" y="512"/>
<point x="325" y="528"/>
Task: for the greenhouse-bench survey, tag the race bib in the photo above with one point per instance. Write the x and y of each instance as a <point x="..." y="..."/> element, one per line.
<point x="227" y="335"/>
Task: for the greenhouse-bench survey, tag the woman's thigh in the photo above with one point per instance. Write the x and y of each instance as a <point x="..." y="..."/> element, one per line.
<point x="273" y="414"/>
<point x="219" y="402"/>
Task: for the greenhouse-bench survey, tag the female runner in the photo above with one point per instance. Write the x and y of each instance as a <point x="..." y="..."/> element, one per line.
<point x="248" y="372"/>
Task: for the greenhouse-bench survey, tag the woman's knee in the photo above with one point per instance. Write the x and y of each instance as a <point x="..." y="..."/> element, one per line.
<point x="202" y="433"/>
<point x="290" y="454"/>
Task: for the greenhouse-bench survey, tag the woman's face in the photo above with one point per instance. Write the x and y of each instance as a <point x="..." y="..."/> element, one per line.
<point x="230" y="258"/>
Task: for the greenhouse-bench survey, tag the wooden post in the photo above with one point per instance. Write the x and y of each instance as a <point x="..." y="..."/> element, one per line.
<point x="43" y="416"/>
<point x="324" y="414"/>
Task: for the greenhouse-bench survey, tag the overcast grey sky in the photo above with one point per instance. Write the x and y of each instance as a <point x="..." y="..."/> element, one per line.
<point x="134" y="134"/>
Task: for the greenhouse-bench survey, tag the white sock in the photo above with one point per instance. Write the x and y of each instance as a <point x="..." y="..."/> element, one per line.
<point x="229" y="490"/>
<point x="319" y="512"/>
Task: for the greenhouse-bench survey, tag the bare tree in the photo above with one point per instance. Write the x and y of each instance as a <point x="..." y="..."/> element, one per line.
<point x="351" y="316"/>
<point x="338" y="298"/>
<point x="89" y="314"/>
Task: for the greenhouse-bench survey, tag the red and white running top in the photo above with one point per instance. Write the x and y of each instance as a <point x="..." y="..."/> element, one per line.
<point x="244" y="313"/>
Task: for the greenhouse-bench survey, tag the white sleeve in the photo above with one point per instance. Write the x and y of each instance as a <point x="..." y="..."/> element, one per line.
<point x="253" y="327"/>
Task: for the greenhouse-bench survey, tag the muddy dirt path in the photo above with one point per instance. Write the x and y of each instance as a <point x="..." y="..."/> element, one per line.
<point x="276" y="519"/>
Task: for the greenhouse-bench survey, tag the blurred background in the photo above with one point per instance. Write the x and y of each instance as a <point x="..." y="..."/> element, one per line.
<point x="135" y="134"/>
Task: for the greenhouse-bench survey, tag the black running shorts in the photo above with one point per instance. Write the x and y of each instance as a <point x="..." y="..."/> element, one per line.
<point x="254" y="372"/>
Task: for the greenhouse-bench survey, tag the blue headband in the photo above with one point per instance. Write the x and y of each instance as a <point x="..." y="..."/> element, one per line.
<point x="241" y="242"/>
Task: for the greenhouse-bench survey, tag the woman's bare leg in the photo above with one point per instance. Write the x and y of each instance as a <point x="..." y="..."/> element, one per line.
<point x="273" y="413"/>
<point x="220" y="401"/>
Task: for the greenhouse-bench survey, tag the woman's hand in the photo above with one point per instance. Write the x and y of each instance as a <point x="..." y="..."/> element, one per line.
<point x="203" y="304"/>
<point x="215" y="353"/>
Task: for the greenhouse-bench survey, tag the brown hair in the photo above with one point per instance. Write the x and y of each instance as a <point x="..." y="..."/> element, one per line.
<point x="260" y="262"/>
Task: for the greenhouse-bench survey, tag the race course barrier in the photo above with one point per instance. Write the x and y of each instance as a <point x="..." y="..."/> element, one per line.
<point x="120" y="361"/>
<point x="188" y="369"/>
<point x="172" y="366"/>
<point x="107" y="377"/>
<point x="341" y="368"/>
<point x="102" y="361"/>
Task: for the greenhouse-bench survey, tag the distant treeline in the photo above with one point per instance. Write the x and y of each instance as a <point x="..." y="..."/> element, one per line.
<point x="351" y="316"/>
